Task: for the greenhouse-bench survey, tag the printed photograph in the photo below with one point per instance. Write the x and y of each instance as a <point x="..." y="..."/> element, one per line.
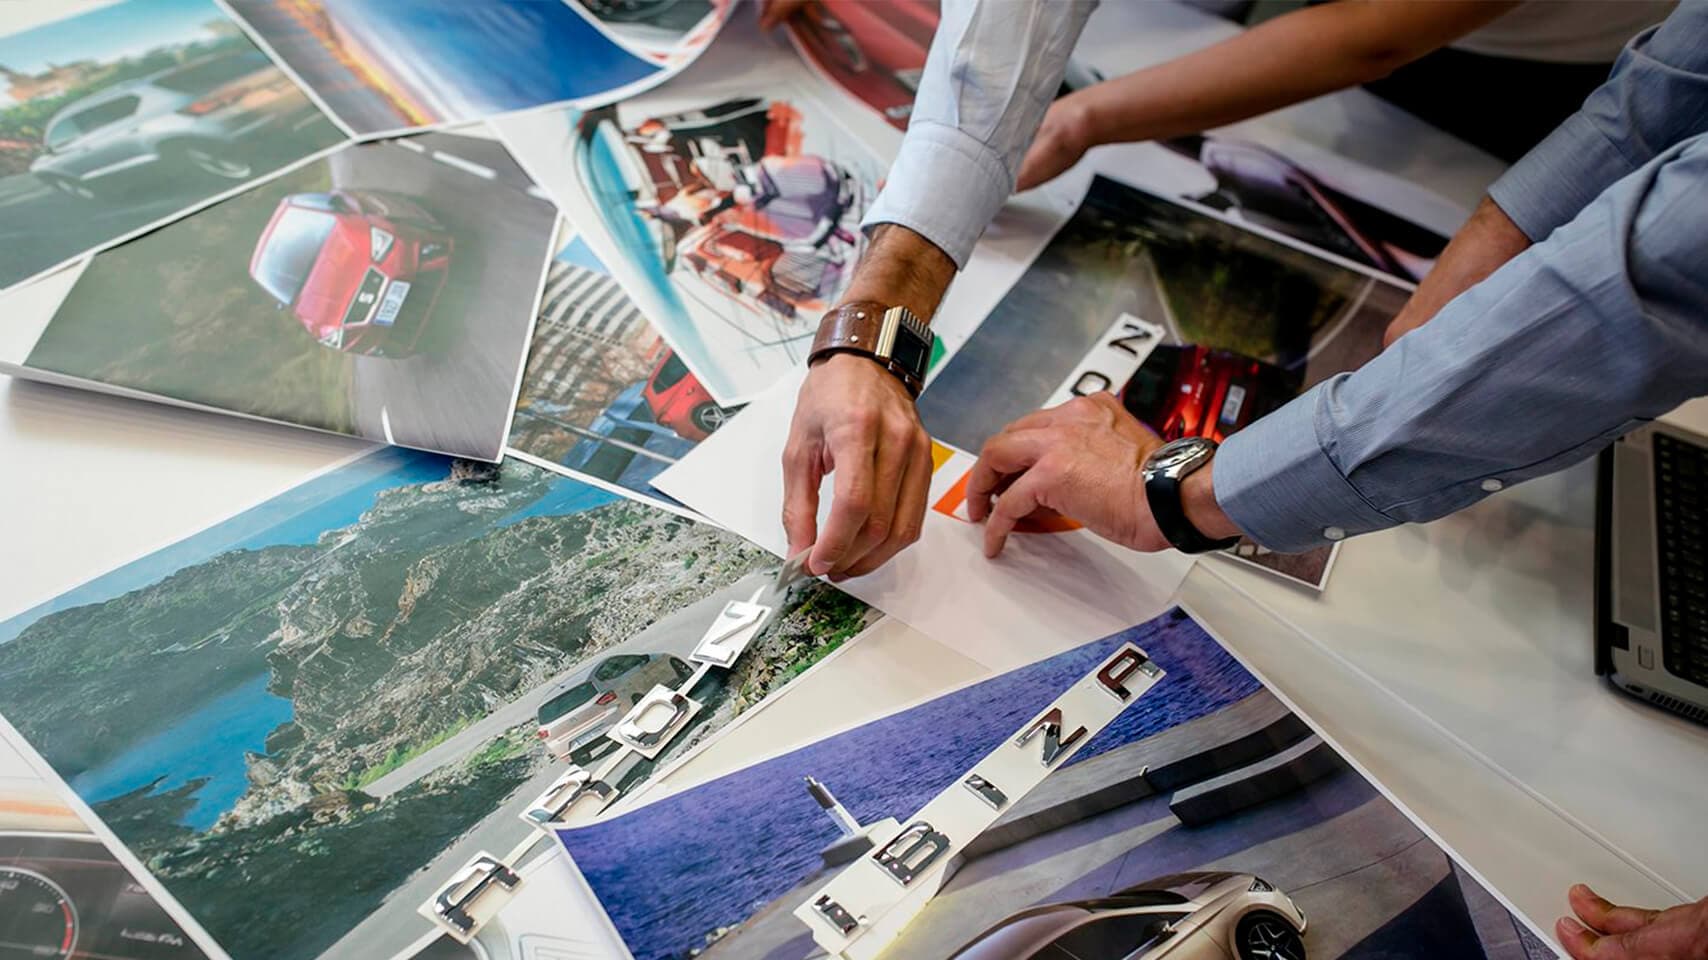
<point x="64" y="896"/>
<point x="384" y="66"/>
<point x="128" y="114"/>
<point x="1251" y="183"/>
<point x="876" y="52"/>
<point x="603" y="395"/>
<point x="735" y="224"/>
<point x="668" y="31"/>
<point x="330" y="702"/>
<point x="1206" y="821"/>
<point x="1249" y="323"/>
<point x="385" y="292"/>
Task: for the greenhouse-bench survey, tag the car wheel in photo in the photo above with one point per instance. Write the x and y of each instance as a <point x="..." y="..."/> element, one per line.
<point x="216" y="163"/>
<point x="1266" y="936"/>
<point x="709" y="417"/>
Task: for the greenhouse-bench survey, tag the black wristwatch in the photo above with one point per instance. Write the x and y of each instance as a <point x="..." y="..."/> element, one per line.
<point x="1164" y="471"/>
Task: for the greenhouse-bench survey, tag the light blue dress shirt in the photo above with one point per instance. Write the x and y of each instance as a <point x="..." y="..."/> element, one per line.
<point x="993" y="69"/>
<point x="1600" y="324"/>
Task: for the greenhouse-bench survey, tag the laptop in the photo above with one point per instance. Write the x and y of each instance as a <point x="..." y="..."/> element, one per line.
<point x="1651" y="547"/>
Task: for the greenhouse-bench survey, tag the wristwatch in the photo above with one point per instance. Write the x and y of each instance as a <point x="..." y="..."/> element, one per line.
<point x="1164" y="472"/>
<point x="892" y="336"/>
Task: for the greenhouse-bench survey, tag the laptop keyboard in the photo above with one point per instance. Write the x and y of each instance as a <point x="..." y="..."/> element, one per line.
<point x="1681" y="507"/>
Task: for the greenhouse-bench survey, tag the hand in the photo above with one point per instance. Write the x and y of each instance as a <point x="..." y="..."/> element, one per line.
<point x="774" y="13"/>
<point x="1608" y="932"/>
<point x="1081" y="460"/>
<point x="856" y="421"/>
<point x="1483" y="245"/>
<point x="1061" y="141"/>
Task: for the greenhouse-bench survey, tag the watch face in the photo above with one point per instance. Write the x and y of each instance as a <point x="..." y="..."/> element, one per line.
<point x="1171" y="458"/>
<point x="911" y="352"/>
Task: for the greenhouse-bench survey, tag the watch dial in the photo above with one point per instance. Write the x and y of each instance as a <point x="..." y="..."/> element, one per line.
<point x="1174" y="456"/>
<point x="910" y="351"/>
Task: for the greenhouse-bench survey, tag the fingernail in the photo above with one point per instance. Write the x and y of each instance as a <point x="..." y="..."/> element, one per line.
<point x="1570" y="927"/>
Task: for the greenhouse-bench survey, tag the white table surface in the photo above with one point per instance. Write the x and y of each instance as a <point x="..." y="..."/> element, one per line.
<point x="1497" y="733"/>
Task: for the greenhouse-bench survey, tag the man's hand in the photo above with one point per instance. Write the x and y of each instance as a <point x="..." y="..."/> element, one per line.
<point x="1603" y="931"/>
<point x="1081" y="460"/>
<point x="855" y="421"/>
<point x="1061" y="141"/>
<point x="1483" y="245"/>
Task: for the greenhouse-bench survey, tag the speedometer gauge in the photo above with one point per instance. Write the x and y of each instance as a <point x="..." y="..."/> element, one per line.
<point x="37" y="920"/>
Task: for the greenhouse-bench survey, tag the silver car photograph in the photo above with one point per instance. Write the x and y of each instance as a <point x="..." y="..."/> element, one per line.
<point x="124" y="116"/>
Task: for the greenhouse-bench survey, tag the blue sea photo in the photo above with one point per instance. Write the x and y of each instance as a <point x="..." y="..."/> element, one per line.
<point x="747" y="838"/>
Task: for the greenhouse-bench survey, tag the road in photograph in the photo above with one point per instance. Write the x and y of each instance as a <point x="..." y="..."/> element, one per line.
<point x="452" y="395"/>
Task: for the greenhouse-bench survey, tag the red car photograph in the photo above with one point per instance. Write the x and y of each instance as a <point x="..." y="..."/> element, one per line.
<point x="678" y="401"/>
<point x="1193" y="391"/>
<point x="874" y="51"/>
<point x="360" y="269"/>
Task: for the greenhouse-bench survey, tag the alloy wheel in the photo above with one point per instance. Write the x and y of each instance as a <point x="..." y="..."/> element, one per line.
<point x="1267" y="937"/>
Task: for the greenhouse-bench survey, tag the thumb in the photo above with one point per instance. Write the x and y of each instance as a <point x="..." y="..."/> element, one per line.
<point x="1034" y="169"/>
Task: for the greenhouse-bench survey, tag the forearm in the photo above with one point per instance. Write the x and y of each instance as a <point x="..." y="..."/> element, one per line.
<point x="1483" y="245"/>
<point x="902" y="268"/>
<point x="1565" y="347"/>
<point x="1289" y="59"/>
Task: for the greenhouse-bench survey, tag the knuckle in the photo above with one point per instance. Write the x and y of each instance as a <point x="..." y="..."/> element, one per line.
<point x="794" y="455"/>
<point x="864" y="418"/>
<point x="910" y="529"/>
<point x="877" y="529"/>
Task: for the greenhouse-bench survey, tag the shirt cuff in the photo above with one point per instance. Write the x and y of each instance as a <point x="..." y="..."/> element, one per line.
<point x="945" y="186"/>
<point x="1560" y="176"/>
<point x="1277" y="484"/>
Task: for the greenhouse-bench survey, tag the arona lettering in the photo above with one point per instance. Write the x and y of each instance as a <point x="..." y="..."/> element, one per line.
<point x="1050" y="725"/>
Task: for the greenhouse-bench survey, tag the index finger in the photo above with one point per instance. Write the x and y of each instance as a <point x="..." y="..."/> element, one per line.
<point x="1017" y="503"/>
<point x="1004" y="455"/>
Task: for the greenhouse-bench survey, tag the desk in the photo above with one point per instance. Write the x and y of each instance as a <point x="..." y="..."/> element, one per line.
<point x="1478" y="624"/>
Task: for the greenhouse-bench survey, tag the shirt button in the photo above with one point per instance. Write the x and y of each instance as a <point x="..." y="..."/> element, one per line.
<point x="1333" y="533"/>
<point x="1491" y="485"/>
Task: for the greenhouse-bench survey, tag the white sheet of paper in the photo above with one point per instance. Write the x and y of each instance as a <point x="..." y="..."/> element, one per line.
<point x="1046" y="593"/>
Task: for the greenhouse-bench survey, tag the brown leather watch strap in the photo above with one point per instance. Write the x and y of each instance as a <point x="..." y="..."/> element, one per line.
<point x="852" y="325"/>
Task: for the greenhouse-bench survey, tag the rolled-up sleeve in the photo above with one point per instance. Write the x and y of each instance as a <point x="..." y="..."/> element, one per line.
<point x="1572" y="343"/>
<point x="1656" y="96"/>
<point x="993" y="68"/>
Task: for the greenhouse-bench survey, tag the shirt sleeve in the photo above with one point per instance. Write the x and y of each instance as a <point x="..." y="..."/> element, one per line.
<point x="993" y="68"/>
<point x="1570" y="344"/>
<point x="1656" y="96"/>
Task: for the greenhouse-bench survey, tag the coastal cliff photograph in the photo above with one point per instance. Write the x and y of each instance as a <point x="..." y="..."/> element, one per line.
<point x="355" y="666"/>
